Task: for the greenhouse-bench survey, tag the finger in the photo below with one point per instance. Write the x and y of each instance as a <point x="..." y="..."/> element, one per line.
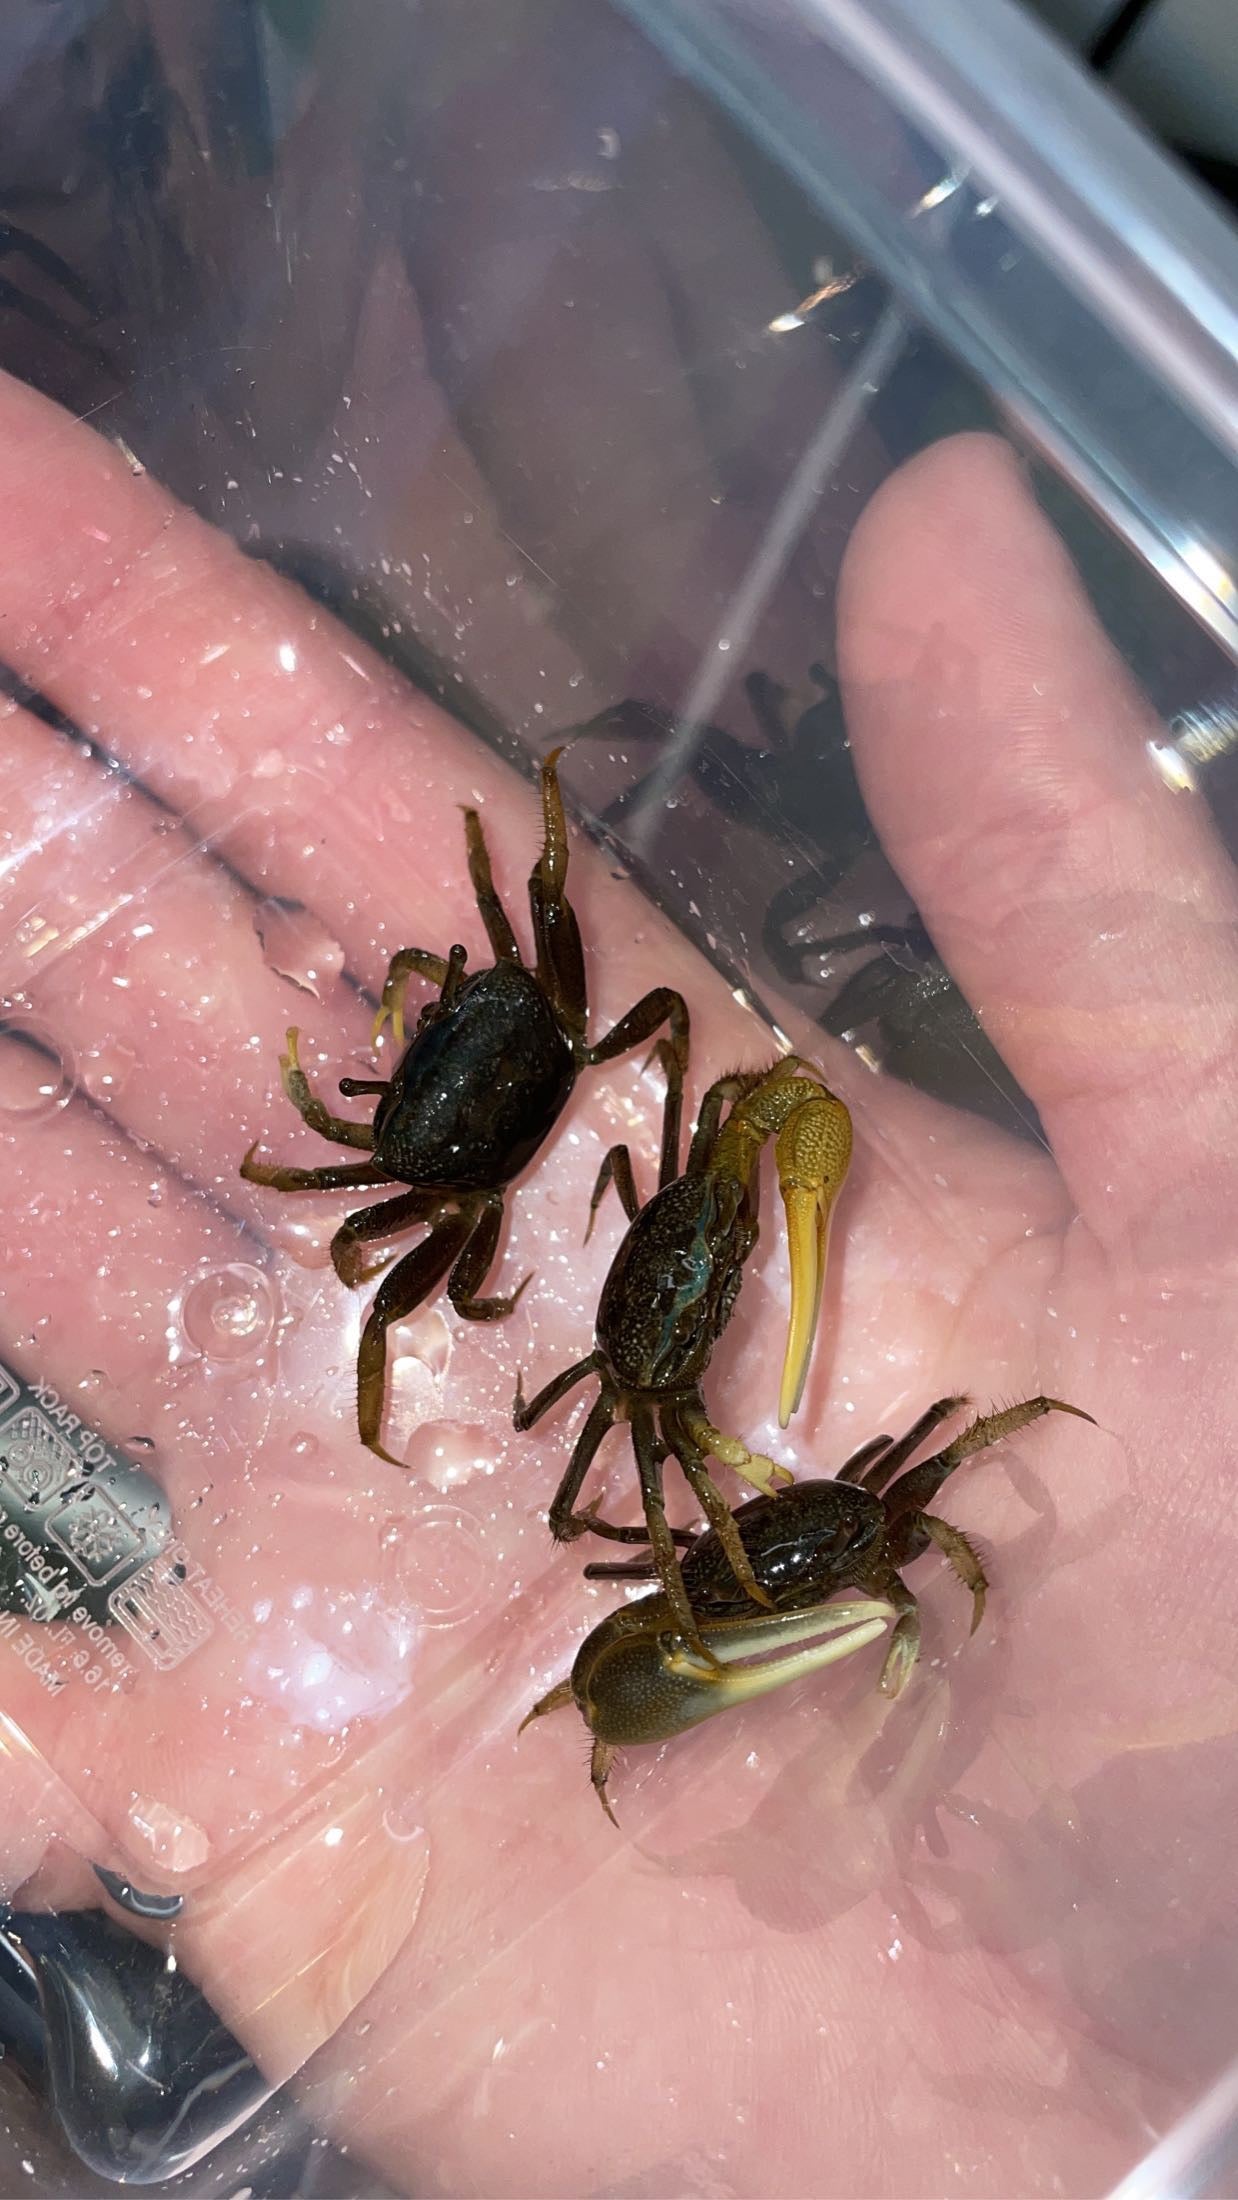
<point x="324" y="801"/>
<point x="152" y="631"/>
<point x="1086" y="907"/>
<point x="155" y="976"/>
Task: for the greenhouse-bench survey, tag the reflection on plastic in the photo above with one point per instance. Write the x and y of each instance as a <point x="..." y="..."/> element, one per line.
<point x="1198" y="2157"/>
<point x="141" y="2075"/>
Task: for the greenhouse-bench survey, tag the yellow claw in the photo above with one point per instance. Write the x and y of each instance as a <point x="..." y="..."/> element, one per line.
<point x="813" y="1151"/>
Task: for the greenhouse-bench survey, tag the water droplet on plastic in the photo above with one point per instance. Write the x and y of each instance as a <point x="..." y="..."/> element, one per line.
<point x="434" y="1561"/>
<point x="230" y="1313"/>
<point x="36" y="1074"/>
<point x="427" y="1338"/>
<point x="304" y="1237"/>
<point x="106" y="1070"/>
<point x="296" y="946"/>
<point x="415" y="1397"/>
<point x="447" y="1453"/>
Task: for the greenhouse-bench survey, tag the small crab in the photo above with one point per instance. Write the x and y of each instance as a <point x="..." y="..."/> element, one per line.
<point x="636" y="1679"/>
<point x="671" y="1290"/>
<point x="477" y="1090"/>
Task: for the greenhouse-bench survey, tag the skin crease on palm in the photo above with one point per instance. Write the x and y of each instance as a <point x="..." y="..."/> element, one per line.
<point x="980" y="1940"/>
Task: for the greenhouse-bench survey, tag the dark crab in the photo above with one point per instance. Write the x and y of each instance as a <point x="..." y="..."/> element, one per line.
<point x="636" y="1679"/>
<point x="671" y="1290"/>
<point x="480" y="1085"/>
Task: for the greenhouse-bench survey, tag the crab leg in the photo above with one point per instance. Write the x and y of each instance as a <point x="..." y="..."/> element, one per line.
<point x="314" y="1111"/>
<point x="754" y="1467"/>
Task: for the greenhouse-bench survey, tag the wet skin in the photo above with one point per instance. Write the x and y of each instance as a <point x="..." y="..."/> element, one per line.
<point x="1091" y="909"/>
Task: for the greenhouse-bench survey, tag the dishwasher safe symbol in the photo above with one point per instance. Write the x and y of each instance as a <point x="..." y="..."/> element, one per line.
<point x="158" y="1611"/>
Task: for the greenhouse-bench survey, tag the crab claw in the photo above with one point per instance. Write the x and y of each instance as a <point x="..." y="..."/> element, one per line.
<point x="637" y="1680"/>
<point x="813" y="1151"/>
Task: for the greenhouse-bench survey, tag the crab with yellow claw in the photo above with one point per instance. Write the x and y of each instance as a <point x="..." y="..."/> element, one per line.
<point x="670" y="1292"/>
<point x="636" y="1679"/>
<point x="479" y="1087"/>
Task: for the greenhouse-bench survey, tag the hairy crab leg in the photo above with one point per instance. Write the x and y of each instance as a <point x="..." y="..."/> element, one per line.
<point x="919" y="1486"/>
<point x="896" y="1455"/>
<point x="964" y="1558"/>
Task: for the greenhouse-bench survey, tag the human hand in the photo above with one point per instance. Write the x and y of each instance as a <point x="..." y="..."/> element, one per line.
<point x="835" y="1947"/>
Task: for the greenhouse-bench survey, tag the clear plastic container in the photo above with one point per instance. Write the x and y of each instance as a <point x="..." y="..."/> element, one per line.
<point x="826" y="411"/>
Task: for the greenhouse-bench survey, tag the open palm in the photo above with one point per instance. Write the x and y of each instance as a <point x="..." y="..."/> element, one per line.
<point x="978" y="1940"/>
